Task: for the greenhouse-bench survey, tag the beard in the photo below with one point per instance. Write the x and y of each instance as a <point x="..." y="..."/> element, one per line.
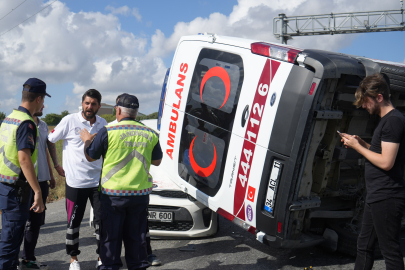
<point x="89" y="114"/>
<point x="375" y="109"/>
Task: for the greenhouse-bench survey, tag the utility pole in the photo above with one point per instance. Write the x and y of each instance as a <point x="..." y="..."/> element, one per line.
<point x="284" y="28"/>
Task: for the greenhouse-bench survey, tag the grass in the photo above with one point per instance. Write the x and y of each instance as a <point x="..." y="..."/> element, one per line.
<point x="59" y="191"/>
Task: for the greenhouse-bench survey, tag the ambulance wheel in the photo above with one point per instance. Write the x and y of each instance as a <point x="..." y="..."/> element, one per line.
<point x="347" y="238"/>
<point x="395" y="75"/>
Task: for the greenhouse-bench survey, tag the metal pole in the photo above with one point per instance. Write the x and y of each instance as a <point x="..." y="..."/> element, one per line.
<point x="283" y="29"/>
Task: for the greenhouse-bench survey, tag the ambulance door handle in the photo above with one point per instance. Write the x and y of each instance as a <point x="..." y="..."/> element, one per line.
<point x="245" y="115"/>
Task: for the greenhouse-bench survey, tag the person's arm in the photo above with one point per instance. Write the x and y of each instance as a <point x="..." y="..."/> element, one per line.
<point x="86" y="145"/>
<point x="54" y="156"/>
<point x="156" y="162"/>
<point x="361" y="141"/>
<point x="94" y="144"/>
<point x="392" y="132"/>
<point x="157" y="155"/>
<point x="52" y="182"/>
<point x="384" y="161"/>
<point x="60" y="132"/>
<point x="27" y="167"/>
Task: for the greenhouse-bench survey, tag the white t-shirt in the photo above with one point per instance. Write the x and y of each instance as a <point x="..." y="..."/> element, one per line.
<point x="79" y="172"/>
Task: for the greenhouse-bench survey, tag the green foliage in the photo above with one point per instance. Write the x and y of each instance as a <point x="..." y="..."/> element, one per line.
<point x="2" y="115"/>
<point x="150" y="116"/>
<point x="108" y="117"/>
<point x="52" y="119"/>
<point x="64" y="113"/>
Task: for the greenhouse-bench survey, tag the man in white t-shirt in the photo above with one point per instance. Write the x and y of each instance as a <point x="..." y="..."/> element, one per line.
<point x="82" y="177"/>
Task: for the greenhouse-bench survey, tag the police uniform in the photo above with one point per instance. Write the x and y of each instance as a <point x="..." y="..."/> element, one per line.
<point x="128" y="148"/>
<point x="18" y="131"/>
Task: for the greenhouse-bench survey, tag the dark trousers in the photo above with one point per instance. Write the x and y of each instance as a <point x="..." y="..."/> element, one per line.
<point x="76" y="201"/>
<point x="148" y="246"/>
<point x="123" y="219"/>
<point x="34" y="223"/>
<point x="14" y="216"/>
<point x="382" y="221"/>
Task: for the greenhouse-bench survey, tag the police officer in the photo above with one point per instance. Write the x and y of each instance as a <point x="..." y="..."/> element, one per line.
<point x="128" y="149"/>
<point x="18" y="156"/>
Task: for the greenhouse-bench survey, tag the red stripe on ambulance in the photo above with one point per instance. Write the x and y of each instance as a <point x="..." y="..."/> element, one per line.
<point x="252" y="131"/>
<point x="171" y="135"/>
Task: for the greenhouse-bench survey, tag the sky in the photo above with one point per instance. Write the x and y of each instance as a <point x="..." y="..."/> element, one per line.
<point x="126" y="46"/>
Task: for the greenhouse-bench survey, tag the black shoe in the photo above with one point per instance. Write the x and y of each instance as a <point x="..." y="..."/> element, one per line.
<point x="33" y="265"/>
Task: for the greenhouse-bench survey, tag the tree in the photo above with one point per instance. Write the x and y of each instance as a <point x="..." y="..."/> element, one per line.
<point x="64" y="113"/>
<point x="108" y="117"/>
<point x="149" y="116"/>
<point x="52" y="119"/>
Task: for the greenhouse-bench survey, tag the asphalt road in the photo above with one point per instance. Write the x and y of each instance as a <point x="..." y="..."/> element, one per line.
<point x="231" y="248"/>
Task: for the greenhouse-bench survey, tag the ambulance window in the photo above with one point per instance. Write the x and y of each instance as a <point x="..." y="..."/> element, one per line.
<point x="202" y="154"/>
<point x="215" y="87"/>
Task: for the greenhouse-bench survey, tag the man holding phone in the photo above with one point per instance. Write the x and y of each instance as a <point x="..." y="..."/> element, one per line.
<point x="384" y="176"/>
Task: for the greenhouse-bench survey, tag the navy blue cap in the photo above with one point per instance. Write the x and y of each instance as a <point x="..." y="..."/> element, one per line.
<point x="36" y="86"/>
<point x="128" y="101"/>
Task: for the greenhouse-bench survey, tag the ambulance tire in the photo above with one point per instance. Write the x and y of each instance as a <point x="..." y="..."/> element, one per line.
<point x="347" y="239"/>
<point x="395" y="76"/>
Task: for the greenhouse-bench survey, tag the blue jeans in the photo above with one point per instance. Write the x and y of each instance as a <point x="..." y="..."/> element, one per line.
<point x="382" y="221"/>
<point x="14" y="216"/>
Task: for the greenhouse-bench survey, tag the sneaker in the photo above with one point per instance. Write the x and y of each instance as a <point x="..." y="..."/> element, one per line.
<point x="74" y="265"/>
<point x="33" y="265"/>
<point x="153" y="260"/>
<point x="98" y="263"/>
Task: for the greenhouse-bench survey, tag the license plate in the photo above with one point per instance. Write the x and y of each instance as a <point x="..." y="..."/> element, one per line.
<point x="160" y="216"/>
<point x="272" y="188"/>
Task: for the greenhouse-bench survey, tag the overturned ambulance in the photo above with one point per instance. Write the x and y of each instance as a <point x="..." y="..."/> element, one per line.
<point x="248" y="128"/>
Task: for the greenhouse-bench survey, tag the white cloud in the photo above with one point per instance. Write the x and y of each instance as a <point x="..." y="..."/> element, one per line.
<point x="254" y="19"/>
<point x="136" y="14"/>
<point x="90" y="50"/>
<point x="125" y="11"/>
<point x="60" y="46"/>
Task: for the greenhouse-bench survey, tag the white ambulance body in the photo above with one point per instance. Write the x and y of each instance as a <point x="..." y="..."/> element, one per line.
<point x="248" y="129"/>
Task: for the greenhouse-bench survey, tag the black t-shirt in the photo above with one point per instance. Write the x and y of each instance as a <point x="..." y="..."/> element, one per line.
<point x="383" y="184"/>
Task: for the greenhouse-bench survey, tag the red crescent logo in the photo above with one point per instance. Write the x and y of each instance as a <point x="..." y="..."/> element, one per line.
<point x="223" y="75"/>
<point x="203" y="172"/>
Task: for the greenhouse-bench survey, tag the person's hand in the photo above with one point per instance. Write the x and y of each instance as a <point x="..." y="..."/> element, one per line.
<point x="361" y="141"/>
<point x="350" y="141"/>
<point x="52" y="183"/>
<point x="60" y="170"/>
<point x="38" y="205"/>
<point x="86" y="136"/>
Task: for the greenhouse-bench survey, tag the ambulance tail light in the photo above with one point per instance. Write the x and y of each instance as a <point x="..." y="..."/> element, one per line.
<point x="274" y="51"/>
<point x="311" y="91"/>
<point x="236" y="220"/>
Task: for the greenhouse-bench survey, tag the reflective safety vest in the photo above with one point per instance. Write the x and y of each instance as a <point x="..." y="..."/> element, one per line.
<point x="10" y="168"/>
<point x="128" y="158"/>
